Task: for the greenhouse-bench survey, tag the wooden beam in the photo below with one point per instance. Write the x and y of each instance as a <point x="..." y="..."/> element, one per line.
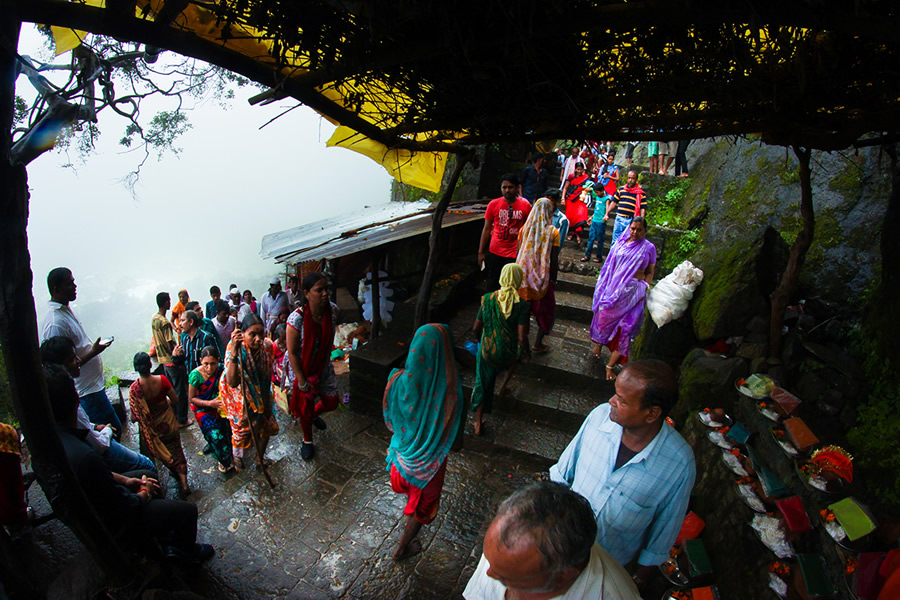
<point x="101" y="21"/>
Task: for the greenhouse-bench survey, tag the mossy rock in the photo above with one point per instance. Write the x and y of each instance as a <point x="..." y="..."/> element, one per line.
<point x="7" y="411"/>
<point x="707" y="380"/>
<point x="737" y="283"/>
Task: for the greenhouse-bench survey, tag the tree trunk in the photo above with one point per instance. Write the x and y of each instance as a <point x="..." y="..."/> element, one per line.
<point x="437" y="221"/>
<point x="375" y="267"/>
<point x="18" y="336"/>
<point x="788" y="284"/>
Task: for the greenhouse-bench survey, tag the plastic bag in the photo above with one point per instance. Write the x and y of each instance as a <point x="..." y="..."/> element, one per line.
<point x="669" y="298"/>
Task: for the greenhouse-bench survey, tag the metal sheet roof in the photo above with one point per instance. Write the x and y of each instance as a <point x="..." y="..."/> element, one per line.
<point x="361" y="230"/>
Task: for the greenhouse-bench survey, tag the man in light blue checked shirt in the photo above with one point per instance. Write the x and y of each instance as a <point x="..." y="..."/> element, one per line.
<point x="636" y="471"/>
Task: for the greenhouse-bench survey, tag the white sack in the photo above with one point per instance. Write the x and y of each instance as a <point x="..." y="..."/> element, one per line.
<point x="669" y="298"/>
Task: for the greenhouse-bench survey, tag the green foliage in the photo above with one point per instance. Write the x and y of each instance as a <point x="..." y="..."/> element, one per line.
<point x="874" y="441"/>
<point x="81" y="137"/>
<point x="789" y="176"/>
<point x="164" y="127"/>
<point x="681" y="248"/>
<point x="110" y="380"/>
<point x="666" y="210"/>
<point x="20" y="109"/>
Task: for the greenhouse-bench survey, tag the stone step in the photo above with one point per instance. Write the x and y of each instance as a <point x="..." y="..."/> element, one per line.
<point x="576" y="283"/>
<point x="574" y="306"/>
<point x="569" y="359"/>
<point x="547" y="402"/>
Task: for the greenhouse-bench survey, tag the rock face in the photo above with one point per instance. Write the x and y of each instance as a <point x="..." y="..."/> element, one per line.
<point x="736" y="285"/>
<point x="707" y="380"/>
<point x="739" y="188"/>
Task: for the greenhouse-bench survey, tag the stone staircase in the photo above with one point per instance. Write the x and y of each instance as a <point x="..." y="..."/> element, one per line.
<point x="547" y="398"/>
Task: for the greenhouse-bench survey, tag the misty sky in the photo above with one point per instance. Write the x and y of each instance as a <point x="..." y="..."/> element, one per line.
<point x="198" y="218"/>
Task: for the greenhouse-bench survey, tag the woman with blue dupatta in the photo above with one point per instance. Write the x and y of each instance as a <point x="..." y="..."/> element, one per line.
<point x="423" y="407"/>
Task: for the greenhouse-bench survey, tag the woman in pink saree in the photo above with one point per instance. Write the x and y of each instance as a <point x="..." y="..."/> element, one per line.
<point x="620" y="294"/>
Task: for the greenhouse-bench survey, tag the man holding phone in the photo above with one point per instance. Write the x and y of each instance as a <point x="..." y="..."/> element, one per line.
<point x="60" y="320"/>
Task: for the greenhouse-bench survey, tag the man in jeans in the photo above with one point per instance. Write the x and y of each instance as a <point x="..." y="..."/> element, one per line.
<point x="128" y="504"/>
<point x="60" y="350"/>
<point x="60" y="320"/>
<point x="164" y="341"/>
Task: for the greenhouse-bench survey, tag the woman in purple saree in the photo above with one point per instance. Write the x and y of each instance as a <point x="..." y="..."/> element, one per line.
<point x="620" y="294"/>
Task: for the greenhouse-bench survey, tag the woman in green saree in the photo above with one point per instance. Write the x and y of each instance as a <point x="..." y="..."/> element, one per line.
<point x="502" y="322"/>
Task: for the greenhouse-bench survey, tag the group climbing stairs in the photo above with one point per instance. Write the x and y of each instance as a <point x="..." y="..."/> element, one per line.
<point x="548" y="397"/>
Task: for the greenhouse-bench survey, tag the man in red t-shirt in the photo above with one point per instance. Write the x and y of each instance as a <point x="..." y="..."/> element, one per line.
<point x="502" y="220"/>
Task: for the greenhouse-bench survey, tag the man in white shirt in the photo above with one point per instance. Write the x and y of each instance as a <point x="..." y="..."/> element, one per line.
<point x="541" y="545"/>
<point x="60" y="320"/>
<point x="273" y="302"/>
<point x="237" y="304"/>
<point x="569" y="166"/>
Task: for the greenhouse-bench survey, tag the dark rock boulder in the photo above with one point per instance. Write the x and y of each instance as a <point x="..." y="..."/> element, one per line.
<point x="736" y="285"/>
<point x="669" y="343"/>
<point x="707" y="380"/>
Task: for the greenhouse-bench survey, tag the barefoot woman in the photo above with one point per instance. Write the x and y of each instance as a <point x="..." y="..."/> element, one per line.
<point x="502" y="322"/>
<point x="621" y="292"/>
<point x="423" y="406"/>
<point x="248" y="369"/>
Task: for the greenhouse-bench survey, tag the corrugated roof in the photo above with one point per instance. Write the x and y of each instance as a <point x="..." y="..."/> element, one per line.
<point x="361" y="230"/>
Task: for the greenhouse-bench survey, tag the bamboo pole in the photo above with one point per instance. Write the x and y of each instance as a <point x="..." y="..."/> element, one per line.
<point x="253" y="435"/>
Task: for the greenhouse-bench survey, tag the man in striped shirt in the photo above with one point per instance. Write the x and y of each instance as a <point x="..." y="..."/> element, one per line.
<point x="629" y="201"/>
<point x="636" y="470"/>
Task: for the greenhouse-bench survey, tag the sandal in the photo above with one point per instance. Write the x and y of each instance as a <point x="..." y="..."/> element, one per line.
<point x="540" y="350"/>
<point x="585" y="259"/>
<point x="596" y="260"/>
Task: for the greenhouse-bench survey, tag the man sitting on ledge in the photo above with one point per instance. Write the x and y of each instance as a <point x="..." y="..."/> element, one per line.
<point x="541" y="545"/>
<point x="126" y="504"/>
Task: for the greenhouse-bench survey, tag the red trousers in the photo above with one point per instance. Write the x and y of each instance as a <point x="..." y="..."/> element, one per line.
<point x="307" y="407"/>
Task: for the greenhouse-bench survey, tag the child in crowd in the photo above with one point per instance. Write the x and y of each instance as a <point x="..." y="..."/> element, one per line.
<point x="598" y="226"/>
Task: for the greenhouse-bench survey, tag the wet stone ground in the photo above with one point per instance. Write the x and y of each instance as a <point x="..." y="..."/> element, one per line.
<point x="327" y="529"/>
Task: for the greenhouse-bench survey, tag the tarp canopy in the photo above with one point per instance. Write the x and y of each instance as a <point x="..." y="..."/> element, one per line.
<point x="408" y="82"/>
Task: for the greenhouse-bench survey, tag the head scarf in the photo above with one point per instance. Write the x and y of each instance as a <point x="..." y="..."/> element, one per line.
<point x="422" y="406"/>
<point x="535" y="246"/>
<point x="510" y="279"/>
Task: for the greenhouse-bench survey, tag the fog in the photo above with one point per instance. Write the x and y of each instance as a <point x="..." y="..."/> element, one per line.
<point x="197" y="219"/>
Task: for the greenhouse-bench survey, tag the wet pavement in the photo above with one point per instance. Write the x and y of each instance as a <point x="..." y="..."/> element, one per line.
<point x="327" y="529"/>
<point x="329" y="526"/>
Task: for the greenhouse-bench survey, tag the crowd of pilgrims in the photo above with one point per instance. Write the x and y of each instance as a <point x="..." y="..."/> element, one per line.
<point x="233" y="359"/>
